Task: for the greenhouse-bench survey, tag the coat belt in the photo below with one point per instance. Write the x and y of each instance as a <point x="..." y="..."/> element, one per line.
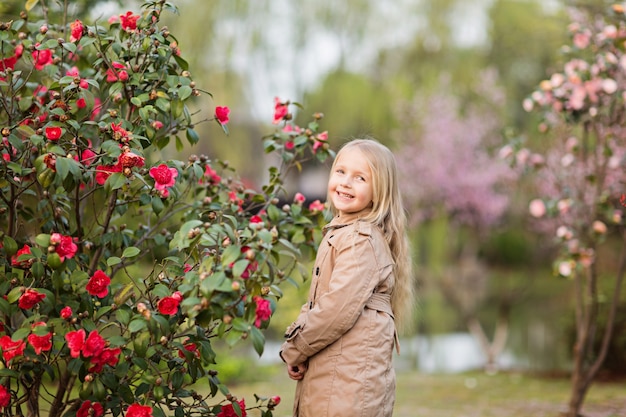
<point x="382" y="302"/>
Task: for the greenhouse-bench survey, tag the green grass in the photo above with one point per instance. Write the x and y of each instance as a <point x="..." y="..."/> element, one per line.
<point x="473" y="394"/>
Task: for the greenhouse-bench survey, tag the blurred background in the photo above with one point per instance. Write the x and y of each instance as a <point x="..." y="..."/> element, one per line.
<point x="441" y="82"/>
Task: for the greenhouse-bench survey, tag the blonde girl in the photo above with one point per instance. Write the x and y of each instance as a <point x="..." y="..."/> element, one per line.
<point x="340" y="347"/>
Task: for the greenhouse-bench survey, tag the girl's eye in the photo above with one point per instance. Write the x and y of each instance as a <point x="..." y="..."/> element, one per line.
<point x="360" y="178"/>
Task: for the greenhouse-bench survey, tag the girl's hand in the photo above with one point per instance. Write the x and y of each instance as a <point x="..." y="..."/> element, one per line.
<point x="297" y="372"/>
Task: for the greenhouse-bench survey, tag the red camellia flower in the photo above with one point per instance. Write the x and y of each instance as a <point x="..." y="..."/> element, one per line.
<point x="263" y="310"/>
<point x="15" y="258"/>
<point x="256" y="219"/>
<point x="89" y="409"/>
<point x="164" y="177"/>
<point x="74" y="72"/>
<point x="108" y="356"/>
<point x="66" y="312"/>
<point x="221" y="114"/>
<point x="12" y="60"/>
<point x="103" y="172"/>
<point x="75" y="341"/>
<point x="119" y="133"/>
<point x="114" y="75"/>
<point x="40" y="343"/>
<point x="98" y="284"/>
<point x="76" y="30"/>
<point x="319" y="141"/>
<point x="94" y="345"/>
<point x="130" y="160"/>
<point x="53" y="133"/>
<point x="86" y="156"/>
<point x="11" y="349"/>
<point x="211" y="174"/>
<point x="129" y="20"/>
<point x="299" y="198"/>
<point x="138" y="410"/>
<point x="189" y="347"/>
<point x="29" y="299"/>
<point x="280" y="111"/>
<point x="42" y="57"/>
<point x="65" y="246"/>
<point x="229" y="411"/>
<point x="5" y="396"/>
<point x="169" y="305"/>
<point x="316" y="206"/>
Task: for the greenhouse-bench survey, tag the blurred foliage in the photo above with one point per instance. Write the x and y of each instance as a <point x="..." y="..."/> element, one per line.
<point x="11" y="9"/>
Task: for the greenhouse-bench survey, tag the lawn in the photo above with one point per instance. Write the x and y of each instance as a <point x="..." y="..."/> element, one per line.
<point x="472" y="394"/>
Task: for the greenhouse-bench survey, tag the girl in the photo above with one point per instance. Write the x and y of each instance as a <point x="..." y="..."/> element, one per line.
<point x="341" y="345"/>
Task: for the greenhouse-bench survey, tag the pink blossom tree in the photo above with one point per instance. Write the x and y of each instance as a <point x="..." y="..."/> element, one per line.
<point x="454" y="177"/>
<point x="580" y="177"/>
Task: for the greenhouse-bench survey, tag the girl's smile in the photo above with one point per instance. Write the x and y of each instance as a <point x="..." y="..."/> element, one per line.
<point x="350" y="184"/>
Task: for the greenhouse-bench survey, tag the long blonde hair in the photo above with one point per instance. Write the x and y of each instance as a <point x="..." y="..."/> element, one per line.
<point x="388" y="213"/>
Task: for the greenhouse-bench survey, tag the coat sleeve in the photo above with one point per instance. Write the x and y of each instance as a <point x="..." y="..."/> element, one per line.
<point x="354" y="277"/>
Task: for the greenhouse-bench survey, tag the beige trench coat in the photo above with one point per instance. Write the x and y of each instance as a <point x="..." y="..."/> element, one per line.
<point x="346" y="331"/>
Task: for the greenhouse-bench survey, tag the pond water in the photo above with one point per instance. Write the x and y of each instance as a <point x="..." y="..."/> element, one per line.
<point x="445" y="353"/>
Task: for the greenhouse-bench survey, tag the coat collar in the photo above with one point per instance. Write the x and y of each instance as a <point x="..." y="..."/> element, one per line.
<point x="346" y="219"/>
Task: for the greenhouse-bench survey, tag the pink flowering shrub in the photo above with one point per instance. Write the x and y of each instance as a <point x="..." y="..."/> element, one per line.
<point x="117" y="269"/>
<point x="449" y="149"/>
<point x="580" y="178"/>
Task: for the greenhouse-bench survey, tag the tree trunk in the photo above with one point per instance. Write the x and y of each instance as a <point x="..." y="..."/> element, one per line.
<point x="586" y="365"/>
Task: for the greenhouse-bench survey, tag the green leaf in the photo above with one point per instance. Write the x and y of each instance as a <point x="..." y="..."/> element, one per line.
<point x="131" y="252"/>
<point x="241" y="325"/>
<point x="14" y="295"/>
<point x="102" y="311"/>
<point x="230" y="254"/>
<point x="113" y="260"/>
<point x="258" y="340"/>
<point x="115" y="181"/>
<point x="192" y="136"/>
<point x="67" y="166"/>
<point x="122" y="316"/>
<point x="4" y="372"/>
<point x="157" y="204"/>
<point x="177" y="108"/>
<point x="16" y="168"/>
<point x="70" y="47"/>
<point x="239" y="267"/>
<point x="137" y="325"/>
<point x="20" y="334"/>
<point x="274" y="213"/>
<point x="171" y="81"/>
<point x="184" y="92"/>
<point x="180" y="61"/>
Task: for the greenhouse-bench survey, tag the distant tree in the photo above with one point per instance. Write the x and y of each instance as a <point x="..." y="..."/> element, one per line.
<point x="523" y="37"/>
<point x="451" y="171"/>
<point x="11" y="9"/>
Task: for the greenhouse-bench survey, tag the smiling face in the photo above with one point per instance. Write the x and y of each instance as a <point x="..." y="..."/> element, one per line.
<point x="350" y="184"/>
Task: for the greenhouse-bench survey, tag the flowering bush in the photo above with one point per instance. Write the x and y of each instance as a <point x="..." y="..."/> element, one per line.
<point x="581" y="176"/>
<point x="117" y="267"/>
